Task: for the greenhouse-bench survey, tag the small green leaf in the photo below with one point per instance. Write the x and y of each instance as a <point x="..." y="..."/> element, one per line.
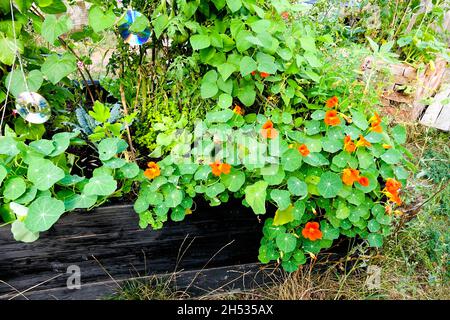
<point x="281" y="197"/>
<point x="234" y="180"/>
<point x="43" y="213"/>
<point x="392" y="156"/>
<point x="14" y="188"/>
<point x="214" y="190"/>
<point x="43" y="146"/>
<point x="100" y="20"/>
<point x="291" y="160"/>
<point x="172" y="195"/>
<point x="329" y="185"/>
<point x="200" y="41"/>
<point x="234" y="5"/>
<point x="21" y="233"/>
<point x="247" y="66"/>
<point x="297" y="187"/>
<point x="8" y="146"/>
<point x="284" y="216"/>
<point x="225" y="101"/>
<point x="209" y="88"/>
<point x="375" y="240"/>
<point x="15" y="80"/>
<point x="226" y="70"/>
<point x="53" y="27"/>
<point x="399" y="134"/>
<point x="247" y="95"/>
<point x="130" y="170"/>
<point x="255" y="195"/>
<point x="373" y="225"/>
<point x="359" y="119"/>
<point x="286" y="242"/>
<point x="56" y="67"/>
<point x="100" y="112"/>
<point x="342" y="212"/>
<point x="44" y="174"/>
<point x="101" y="185"/>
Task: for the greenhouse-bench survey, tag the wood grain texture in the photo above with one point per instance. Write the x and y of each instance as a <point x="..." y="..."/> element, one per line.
<point x="437" y="114"/>
<point x="108" y="244"/>
<point x="201" y="284"/>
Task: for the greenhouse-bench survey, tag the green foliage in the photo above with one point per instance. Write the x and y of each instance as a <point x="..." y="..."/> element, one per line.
<point x="309" y="189"/>
<point x="418" y="34"/>
<point x="37" y="185"/>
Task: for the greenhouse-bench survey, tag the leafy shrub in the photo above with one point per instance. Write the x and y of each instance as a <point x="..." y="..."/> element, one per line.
<point x="303" y="171"/>
<point x="38" y="187"/>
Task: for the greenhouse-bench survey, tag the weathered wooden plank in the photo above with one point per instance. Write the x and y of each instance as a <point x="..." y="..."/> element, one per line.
<point x="108" y="242"/>
<point x="437" y="114"/>
<point x="443" y="120"/>
<point x="199" y="283"/>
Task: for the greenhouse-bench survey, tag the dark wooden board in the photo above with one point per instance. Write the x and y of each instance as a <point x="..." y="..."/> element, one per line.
<point x="201" y="284"/>
<point x="108" y="244"/>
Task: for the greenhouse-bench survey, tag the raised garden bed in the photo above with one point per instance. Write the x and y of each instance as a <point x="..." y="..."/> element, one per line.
<point x="109" y="247"/>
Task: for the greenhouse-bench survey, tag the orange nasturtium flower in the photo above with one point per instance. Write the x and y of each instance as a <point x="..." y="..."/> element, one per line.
<point x="218" y="168"/>
<point x="285" y="15"/>
<point x="303" y="149"/>
<point x="311" y="231"/>
<point x="350" y="176"/>
<point x="394" y="197"/>
<point x="152" y="171"/>
<point x="331" y="118"/>
<point x="332" y="102"/>
<point x="392" y="189"/>
<point x="238" y="110"/>
<point x="349" y="145"/>
<point x="386" y="146"/>
<point x="268" y="131"/>
<point x="362" y="142"/>
<point x="375" y="123"/>
<point x="393" y="186"/>
<point x="253" y="72"/>
<point x="364" y="181"/>
<point x="264" y="74"/>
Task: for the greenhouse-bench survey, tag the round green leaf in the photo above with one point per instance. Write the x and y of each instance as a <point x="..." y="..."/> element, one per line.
<point x="172" y="195"/>
<point x="329" y="185"/>
<point x="215" y="189"/>
<point x="43" y="213"/>
<point x="43" y="146"/>
<point x="21" y="233"/>
<point x="102" y="185"/>
<point x="286" y="242"/>
<point x="130" y="170"/>
<point x="44" y="174"/>
<point x="14" y="188"/>
<point x="234" y="180"/>
<point x="291" y="160"/>
<point x="375" y="240"/>
<point x="282" y="198"/>
<point x="391" y="156"/>
<point x="297" y="187"/>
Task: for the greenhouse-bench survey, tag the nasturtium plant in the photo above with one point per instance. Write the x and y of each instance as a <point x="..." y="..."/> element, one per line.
<point x="279" y="126"/>
<point x="38" y="185"/>
<point x="319" y="193"/>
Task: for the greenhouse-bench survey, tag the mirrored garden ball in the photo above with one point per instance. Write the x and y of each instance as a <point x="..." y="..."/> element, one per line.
<point x="134" y="28"/>
<point x="33" y="107"/>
